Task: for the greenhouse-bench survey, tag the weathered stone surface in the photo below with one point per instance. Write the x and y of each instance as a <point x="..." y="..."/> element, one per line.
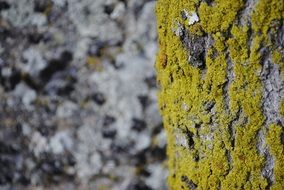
<point x="78" y="95"/>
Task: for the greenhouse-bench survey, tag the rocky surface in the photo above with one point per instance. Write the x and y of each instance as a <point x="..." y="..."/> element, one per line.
<point x="78" y="95"/>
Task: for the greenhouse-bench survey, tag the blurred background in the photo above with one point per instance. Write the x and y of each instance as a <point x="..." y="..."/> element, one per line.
<point x="78" y="105"/>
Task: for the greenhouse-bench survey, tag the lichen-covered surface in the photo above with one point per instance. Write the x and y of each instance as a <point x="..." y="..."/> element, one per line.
<point x="78" y="105"/>
<point x="221" y="76"/>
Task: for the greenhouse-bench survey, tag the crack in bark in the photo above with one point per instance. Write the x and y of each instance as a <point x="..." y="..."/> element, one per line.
<point x="230" y="79"/>
<point x="196" y="46"/>
<point x="231" y="129"/>
<point x="243" y="17"/>
<point x="232" y="133"/>
<point x="272" y="93"/>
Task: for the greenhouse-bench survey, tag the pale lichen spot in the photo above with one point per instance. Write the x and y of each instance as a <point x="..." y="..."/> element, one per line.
<point x="192" y="16"/>
<point x="184" y="106"/>
<point x="181" y="140"/>
<point x="179" y="29"/>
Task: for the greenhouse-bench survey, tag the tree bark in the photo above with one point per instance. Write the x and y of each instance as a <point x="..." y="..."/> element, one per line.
<point x="221" y="77"/>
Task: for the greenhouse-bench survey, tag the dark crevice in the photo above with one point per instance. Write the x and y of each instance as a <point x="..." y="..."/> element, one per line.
<point x="230" y="79"/>
<point x="231" y="129"/>
<point x="189" y="183"/>
<point x="151" y="81"/>
<point x="209" y="2"/>
<point x="56" y="65"/>
<point x="108" y="9"/>
<point x="230" y="161"/>
<point x="196" y="46"/>
<point x="138" y="124"/>
<point x="4" y="5"/>
<point x="99" y="98"/>
<point x="144" y="101"/>
<point x="108" y="120"/>
<point x="10" y="82"/>
<point x="189" y="135"/>
<point x="282" y="137"/>
<point x="208" y="106"/>
<point x="41" y="6"/>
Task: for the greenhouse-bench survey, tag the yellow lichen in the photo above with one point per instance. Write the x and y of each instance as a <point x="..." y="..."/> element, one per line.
<point x="218" y="158"/>
<point x="282" y="108"/>
<point x="220" y="16"/>
<point x="278" y="58"/>
<point x="265" y="13"/>
<point x="277" y="151"/>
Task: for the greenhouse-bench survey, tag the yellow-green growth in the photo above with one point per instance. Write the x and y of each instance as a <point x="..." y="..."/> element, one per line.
<point x="213" y="115"/>
<point x="277" y="150"/>
<point x="282" y="108"/>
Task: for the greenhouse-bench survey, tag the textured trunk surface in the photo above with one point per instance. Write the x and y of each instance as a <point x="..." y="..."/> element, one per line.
<point x="220" y="71"/>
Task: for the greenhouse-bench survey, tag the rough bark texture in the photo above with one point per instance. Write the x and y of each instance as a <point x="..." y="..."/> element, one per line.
<point x="221" y="70"/>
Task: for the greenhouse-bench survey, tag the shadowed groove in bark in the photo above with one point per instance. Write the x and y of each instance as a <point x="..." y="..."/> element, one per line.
<point x="244" y="16"/>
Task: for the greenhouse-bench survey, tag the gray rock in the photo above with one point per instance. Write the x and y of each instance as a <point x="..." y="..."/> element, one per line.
<point x="79" y="105"/>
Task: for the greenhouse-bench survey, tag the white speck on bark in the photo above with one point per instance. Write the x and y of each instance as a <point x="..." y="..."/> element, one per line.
<point x="184" y="106"/>
<point x="181" y="138"/>
<point x="192" y="18"/>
